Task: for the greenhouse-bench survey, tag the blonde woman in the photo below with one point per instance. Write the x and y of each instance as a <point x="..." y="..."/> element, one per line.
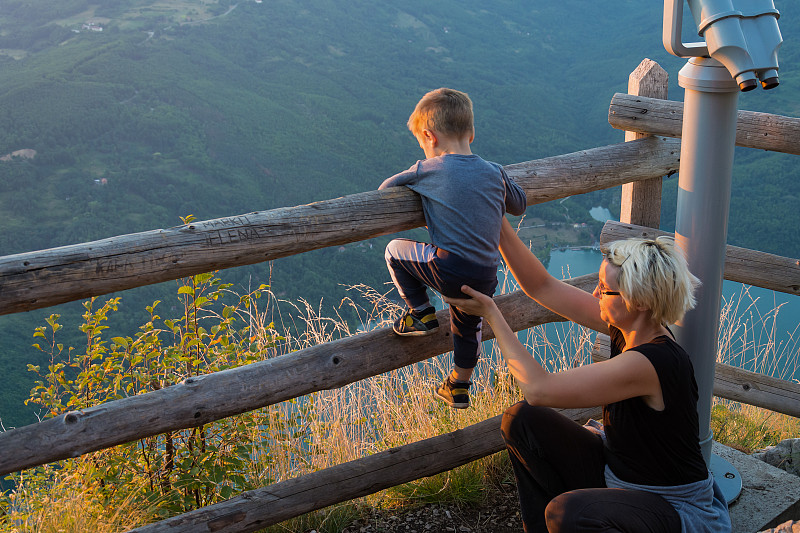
<point x="644" y="472"/>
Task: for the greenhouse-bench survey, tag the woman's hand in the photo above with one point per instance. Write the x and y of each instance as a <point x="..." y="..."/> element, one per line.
<point x="477" y="304"/>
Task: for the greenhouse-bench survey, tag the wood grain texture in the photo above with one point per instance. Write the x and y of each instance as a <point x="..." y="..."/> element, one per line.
<point x="764" y="131"/>
<point x="270" y="505"/>
<point x="641" y="200"/>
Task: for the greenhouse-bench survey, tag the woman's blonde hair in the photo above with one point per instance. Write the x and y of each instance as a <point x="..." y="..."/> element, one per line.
<point x="653" y="273"/>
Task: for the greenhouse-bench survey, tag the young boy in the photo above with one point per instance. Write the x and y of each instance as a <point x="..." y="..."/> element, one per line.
<point x="464" y="199"/>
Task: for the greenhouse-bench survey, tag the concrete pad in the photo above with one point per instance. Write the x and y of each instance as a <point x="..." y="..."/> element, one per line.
<point x="769" y="497"/>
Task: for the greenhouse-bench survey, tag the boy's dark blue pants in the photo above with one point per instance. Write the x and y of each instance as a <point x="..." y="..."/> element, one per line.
<point x="415" y="266"/>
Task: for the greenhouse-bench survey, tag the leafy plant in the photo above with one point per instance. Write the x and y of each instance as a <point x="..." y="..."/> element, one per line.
<point x="180" y="470"/>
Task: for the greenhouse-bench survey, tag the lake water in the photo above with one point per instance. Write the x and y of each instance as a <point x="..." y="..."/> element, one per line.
<point x="760" y="328"/>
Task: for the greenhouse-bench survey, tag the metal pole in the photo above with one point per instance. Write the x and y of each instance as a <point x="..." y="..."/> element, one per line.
<point x="701" y="227"/>
<point x="742" y="42"/>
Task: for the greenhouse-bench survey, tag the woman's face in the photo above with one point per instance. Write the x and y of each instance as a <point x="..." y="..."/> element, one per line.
<point x="612" y="305"/>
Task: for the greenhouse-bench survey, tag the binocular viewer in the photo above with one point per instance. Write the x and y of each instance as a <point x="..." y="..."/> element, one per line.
<point x="743" y="35"/>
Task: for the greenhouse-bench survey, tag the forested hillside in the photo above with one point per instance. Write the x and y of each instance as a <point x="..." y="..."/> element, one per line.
<point x="123" y="116"/>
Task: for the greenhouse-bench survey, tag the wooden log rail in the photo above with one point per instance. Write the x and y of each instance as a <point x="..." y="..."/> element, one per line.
<point x="203" y="399"/>
<point x="764" y="131"/>
<point x="750" y="267"/>
<point x="259" y="508"/>
<point x="34" y="280"/>
<point x="733" y="383"/>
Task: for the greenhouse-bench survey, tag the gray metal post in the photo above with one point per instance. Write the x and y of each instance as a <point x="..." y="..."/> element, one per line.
<point x="701" y="227"/>
<point x="742" y="39"/>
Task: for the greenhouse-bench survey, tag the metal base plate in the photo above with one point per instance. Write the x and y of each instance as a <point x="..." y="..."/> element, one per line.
<point x="727" y="477"/>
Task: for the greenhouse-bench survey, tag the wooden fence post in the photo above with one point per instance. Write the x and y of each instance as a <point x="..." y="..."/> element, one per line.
<point x="641" y="201"/>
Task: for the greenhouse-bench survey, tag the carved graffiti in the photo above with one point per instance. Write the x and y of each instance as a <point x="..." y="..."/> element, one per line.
<point x="108" y="265"/>
<point x="232" y="235"/>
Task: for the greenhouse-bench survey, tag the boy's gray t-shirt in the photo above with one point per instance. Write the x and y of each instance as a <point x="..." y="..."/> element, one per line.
<point x="464" y="198"/>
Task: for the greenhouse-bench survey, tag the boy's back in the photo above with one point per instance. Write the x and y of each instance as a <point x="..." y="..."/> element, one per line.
<point x="464" y="198"/>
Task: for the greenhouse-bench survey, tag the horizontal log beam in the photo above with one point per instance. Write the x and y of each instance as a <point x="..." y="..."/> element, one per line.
<point x="203" y="399"/>
<point x="750" y="267"/>
<point x="34" y="280"/>
<point x="259" y="508"/>
<point x="733" y="383"/>
<point x="764" y="131"/>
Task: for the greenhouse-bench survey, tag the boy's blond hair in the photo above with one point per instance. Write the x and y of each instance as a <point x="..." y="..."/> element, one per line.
<point x="653" y="273"/>
<point x="443" y="110"/>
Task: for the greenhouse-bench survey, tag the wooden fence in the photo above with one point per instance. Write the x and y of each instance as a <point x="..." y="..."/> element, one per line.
<point x="44" y="278"/>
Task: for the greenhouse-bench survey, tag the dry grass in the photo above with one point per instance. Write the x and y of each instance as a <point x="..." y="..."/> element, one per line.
<point x="67" y="507"/>
<point x="747" y="339"/>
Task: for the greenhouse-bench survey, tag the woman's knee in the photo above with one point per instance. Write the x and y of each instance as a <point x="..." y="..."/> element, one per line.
<point x="602" y="509"/>
<point x="521" y="419"/>
<point x="560" y="513"/>
<point x="573" y="511"/>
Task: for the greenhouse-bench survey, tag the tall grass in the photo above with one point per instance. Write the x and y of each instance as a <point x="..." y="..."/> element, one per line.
<point x="748" y="339"/>
<point x="68" y="506"/>
<point x="335" y="426"/>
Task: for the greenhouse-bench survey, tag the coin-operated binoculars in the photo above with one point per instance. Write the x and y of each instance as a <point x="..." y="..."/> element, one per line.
<point x="743" y="35"/>
<point x="740" y="49"/>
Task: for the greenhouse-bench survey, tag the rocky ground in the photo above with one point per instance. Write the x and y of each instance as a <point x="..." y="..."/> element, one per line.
<point x="498" y="513"/>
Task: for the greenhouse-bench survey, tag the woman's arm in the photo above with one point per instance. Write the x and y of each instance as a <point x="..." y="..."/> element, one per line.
<point x="627" y="375"/>
<point x="562" y="298"/>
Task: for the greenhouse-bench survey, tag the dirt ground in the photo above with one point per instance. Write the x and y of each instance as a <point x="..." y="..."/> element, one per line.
<point x="498" y="513"/>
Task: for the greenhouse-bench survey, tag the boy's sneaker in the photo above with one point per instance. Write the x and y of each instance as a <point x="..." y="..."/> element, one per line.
<point x="455" y="395"/>
<point x="413" y="323"/>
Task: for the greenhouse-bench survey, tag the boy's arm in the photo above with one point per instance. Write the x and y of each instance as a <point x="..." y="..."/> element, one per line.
<point x="407" y="177"/>
<point x="516" y="200"/>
